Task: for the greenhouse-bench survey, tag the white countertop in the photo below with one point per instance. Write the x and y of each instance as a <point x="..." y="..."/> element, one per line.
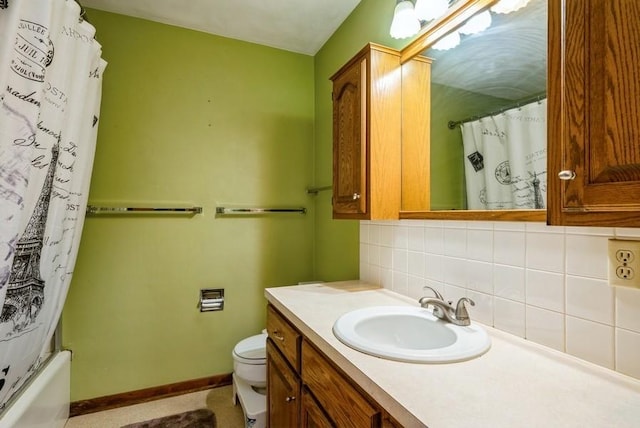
<point x="517" y="383"/>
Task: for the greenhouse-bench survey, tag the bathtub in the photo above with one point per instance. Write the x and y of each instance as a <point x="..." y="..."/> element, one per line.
<point x="45" y="401"/>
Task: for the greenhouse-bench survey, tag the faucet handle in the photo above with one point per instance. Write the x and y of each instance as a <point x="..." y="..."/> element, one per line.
<point x="435" y="292"/>
<point x="461" y="309"/>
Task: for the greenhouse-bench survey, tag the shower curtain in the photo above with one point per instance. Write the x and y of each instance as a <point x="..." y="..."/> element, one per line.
<point x="505" y="159"/>
<point x="50" y="90"/>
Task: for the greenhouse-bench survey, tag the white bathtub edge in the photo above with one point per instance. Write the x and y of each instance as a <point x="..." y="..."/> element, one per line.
<point x="45" y="402"/>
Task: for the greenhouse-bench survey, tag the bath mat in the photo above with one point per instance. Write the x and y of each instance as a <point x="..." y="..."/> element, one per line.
<point x="201" y="418"/>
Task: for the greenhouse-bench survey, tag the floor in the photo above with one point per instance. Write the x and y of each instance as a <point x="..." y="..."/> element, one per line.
<point x="219" y="400"/>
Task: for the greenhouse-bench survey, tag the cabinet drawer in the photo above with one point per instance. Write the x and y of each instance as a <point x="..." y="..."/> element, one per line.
<point x="284" y="336"/>
<point x="335" y="394"/>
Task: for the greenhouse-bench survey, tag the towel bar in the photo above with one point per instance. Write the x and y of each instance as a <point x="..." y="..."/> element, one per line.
<point x="91" y="209"/>
<point x="227" y="211"/>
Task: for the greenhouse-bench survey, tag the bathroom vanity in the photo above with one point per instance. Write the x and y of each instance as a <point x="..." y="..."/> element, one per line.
<point x="316" y="380"/>
<point x="306" y="389"/>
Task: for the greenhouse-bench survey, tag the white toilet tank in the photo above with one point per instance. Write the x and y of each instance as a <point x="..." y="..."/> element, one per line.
<point x="250" y="360"/>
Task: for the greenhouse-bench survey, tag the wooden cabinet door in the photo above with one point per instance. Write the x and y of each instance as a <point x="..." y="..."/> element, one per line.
<point x="594" y="112"/>
<point x="312" y="415"/>
<point x="350" y="140"/>
<point x="283" y="391"/>
<point x="335" y="394"/>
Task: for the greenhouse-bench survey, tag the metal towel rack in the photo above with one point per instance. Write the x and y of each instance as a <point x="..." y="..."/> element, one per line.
<point x="315" y="190"/>
<point x="91" y="209"/>
<point x="237" y="210"/>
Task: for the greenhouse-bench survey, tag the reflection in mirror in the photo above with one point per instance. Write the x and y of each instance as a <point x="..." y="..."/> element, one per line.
<point x="489" y="86"/>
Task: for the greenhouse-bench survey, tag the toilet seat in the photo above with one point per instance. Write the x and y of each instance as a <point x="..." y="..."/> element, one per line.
<point x="251" y="350"/>
<point x="250" y="378"/>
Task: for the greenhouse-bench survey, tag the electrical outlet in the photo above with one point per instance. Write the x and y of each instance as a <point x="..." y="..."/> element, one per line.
<point x="624" y="272"/>
<point x="624" y="262"/>
<point x="624" y="256"/>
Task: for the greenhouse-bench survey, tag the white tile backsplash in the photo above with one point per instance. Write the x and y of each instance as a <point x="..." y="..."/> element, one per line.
<point x="455" y="242"/>
<point x="434" y="267"/>
<point x="590" y="341"/>
<point x="416" y="263"/>
<point x="482" y="311"/>
<point x="587" y="256"/>
<point x="414" y="286"/>
<point x="480" y="245"/>
<point x="374" y="234"/>
<point x="545" y="290"/>
<point x="480" y="276"/>
<point x="415" y="239"/>
<point x="508" y="282"/>
<point x="386" y="257"/>
<point x="434" y="239"/>
<point x="400" y="236"/>
<point x="455" y="271"/>
<point x="628" y="347"/>
<point x="386" y="234"/>
<point x="590" y="299"/>
<point x="547" y="284"/>
<point x="400" y="260"/>
<point x="509" y="316"/>
<point x="509" y="248"/>
<point x="545" y="251"/>
<point x="627" y="232"/>
<point x="627" y="306"/>
<point x="401" y="283"/>
<point x="545" y="327"/>
<point x="364" y="232"/>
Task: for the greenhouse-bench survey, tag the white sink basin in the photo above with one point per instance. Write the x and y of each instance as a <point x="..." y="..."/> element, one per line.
<point x="410" y="334"/>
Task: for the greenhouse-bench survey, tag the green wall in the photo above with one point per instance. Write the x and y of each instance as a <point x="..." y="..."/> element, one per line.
<point x="198" y="119"/>
<point x="337" y="250"/>
<point x="195" y="118"/>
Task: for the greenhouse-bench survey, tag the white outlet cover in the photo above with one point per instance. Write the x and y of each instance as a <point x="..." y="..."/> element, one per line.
<point x="624" y="263"/>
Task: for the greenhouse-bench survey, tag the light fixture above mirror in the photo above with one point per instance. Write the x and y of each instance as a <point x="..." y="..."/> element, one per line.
<point x="428" y="10"/>
<point x="408" y="19"/>
<point x="405" y="21"/>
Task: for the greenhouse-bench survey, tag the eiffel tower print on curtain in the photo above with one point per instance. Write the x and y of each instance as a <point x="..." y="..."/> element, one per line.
<point x="25" y="290"/>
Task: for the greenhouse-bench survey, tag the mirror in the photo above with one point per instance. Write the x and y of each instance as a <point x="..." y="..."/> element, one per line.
<point x="486" y="87"/>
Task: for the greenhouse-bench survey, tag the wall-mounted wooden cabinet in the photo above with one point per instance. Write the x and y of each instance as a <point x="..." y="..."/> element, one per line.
<point x="305" y="389"/>
<point x="367" y="135"/>
<point x="594" y="112"/>
<point x="380" y="135"/>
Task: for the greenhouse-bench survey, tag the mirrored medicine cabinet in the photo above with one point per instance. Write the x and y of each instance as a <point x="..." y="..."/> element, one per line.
<point x="479" y="82"/>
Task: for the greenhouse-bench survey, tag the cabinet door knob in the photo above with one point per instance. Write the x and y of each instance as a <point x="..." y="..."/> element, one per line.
<point x="277" y="335"/>
<point x="356" y="196"/>
<point x="289" y="399"/>
<point x="567" y="175"/>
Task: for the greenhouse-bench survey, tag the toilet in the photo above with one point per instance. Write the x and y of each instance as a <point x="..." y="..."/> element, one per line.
<point x="250" y="379"/>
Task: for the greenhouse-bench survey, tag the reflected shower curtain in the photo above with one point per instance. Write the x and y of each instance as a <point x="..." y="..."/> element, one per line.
<point x="505" y="159"/>
<point x="50" y="90"/>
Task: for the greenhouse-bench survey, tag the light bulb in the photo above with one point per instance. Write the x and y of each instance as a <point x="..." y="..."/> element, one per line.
<point x="476" y="24"/>
<point x="405" y="23"/>
<point x="427" y="10"/>
<point x="449" y="41"/>
<point x="508" y="6"/>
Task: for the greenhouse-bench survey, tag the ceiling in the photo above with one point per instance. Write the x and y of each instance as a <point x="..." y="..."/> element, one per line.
<point x="507" y="60"/>
<point x="301" y="26"/>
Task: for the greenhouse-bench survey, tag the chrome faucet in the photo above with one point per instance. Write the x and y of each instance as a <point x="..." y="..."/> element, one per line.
<point x="437" y="310"/>
<point x="445" y="311"/>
